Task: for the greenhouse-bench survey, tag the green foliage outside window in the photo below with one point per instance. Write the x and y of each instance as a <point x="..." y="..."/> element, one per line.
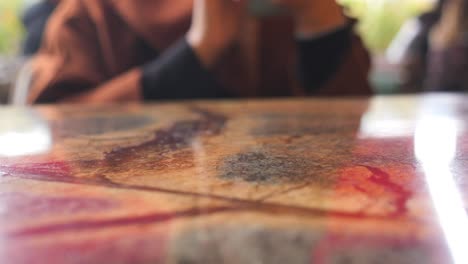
<point x="11" y="29"/>
<point x="380" y="20"/>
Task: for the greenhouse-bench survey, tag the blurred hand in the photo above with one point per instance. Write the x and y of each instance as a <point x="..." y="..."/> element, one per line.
<point x="313" y="16"/>
<point x="216" y="25"/>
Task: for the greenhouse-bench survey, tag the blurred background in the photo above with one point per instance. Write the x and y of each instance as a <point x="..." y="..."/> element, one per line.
<point x="379" y="23"/>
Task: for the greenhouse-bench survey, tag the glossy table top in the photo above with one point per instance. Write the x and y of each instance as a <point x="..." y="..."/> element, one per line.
<point x="381" y="180"/>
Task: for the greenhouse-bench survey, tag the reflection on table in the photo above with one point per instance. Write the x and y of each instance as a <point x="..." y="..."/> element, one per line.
<point x="275" y="181"/>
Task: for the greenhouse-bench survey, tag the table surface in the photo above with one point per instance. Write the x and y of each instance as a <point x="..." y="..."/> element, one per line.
<point x="380" y="180"/>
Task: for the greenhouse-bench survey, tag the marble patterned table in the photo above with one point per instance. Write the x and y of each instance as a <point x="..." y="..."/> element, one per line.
<point x="381" y="180"/>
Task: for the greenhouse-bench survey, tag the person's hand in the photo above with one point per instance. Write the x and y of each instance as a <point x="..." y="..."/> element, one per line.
<point x="313" y="16"/>
<point x="216" y="25"/>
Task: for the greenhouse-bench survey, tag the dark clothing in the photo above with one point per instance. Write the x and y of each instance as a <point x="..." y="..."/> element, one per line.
<point x="34" y="20"/>
<point x="167" y="71"/>
<point x="122" y="50"/>
<point x="426" y="68"/>
<point x="319" y="60"/>
<point x="447" y="69"/>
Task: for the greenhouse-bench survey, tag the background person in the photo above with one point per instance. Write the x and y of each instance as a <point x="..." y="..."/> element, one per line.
<point x="98" y="51"/>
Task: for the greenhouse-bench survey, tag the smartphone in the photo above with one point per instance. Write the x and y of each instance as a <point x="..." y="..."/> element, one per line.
<point x="264" y="8"/>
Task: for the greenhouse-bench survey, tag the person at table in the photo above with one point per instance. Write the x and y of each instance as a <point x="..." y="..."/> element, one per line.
<point x="98" y="51"/>
<point x="436" y="58"/>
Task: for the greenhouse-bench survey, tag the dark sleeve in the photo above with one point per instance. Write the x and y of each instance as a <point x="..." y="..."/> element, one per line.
<point x="320" y="57"/>
<point x="179" y="74"/>
<point x="446" y="67"/>
<point x="35" y="19"/>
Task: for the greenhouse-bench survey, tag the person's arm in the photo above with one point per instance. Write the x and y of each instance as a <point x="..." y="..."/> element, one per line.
<point x="321" y="55"/>
<point x="448" y="49"/>
<point x="327" y="48"/>
<point x="215" y="26"/>
<point x="179" y="74"/>
<point x="70" y="67"/>
<point x="175" y="74"/>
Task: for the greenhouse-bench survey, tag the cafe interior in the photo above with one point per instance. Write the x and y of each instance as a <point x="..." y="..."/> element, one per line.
<point x="233" y="131"/>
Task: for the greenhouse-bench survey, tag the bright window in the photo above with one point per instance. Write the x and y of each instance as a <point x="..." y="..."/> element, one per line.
<point x="380" y="20"/>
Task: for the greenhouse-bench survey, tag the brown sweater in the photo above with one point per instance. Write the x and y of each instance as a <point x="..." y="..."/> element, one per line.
<point x="130" y="50"/>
